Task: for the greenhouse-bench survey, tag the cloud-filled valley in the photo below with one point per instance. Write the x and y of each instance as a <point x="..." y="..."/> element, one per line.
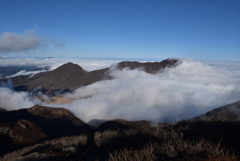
<point x="187" y="90"/>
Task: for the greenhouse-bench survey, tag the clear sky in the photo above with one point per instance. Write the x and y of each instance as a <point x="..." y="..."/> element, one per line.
<point x="139" y="29"/>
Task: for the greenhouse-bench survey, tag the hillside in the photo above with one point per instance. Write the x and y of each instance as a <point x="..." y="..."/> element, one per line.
<point x="30" y="125"/>
<point x="229" y="112"/>
<point x="68" y="138"/>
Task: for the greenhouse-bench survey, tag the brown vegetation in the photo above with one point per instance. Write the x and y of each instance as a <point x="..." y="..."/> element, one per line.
<point x="181" y="141"/>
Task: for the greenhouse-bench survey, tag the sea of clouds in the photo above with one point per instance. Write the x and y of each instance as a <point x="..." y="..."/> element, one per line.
<point x="53" y="63"/>
<point x="182" y="92"/>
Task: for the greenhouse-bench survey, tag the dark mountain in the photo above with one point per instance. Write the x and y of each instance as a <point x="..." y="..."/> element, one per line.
<point x="229" y="112"/>
<point x="149" y="67"/>
<point x="26" y="126"/>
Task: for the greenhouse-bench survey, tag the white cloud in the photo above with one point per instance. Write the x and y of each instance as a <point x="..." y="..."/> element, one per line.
<point x="12" y="100"/>
<point x="29" y="40"/>
<point x="185" y="91"/>
<point x="11" y="42"/>
<point x="53" y="63"/>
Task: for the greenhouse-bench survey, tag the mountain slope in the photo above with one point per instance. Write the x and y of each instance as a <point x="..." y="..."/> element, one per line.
<point x="27" y="126"/>
<point x="64" y="77"/>
<point x="149" y="67"/>
<point x="229" y="112"/>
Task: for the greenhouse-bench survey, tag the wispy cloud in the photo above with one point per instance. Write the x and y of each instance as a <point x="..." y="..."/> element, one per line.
<point x="58" y="42"/>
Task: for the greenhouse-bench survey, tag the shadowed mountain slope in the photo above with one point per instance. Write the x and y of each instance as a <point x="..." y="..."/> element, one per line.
<point x="54" y="121"/>
<point x="125" y="125"/>
<point x="27" y="126"/>
<point x="229" y="112"/>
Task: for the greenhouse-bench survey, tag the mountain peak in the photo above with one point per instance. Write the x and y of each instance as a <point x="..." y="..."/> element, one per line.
<point x="70" y="68"/>
<point x="149" y="67"/>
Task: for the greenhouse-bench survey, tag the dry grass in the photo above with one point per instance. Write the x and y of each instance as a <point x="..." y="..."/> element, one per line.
<point x="172" y="146"/>
<point x="146" y="153"/>
<point x="182" y="141"/>
<point x="54" y="145"/>
<point x="104" y="137"/>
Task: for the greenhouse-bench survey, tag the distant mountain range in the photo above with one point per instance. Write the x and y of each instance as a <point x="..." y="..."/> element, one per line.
<point x="11" y="70"/>
<point x="71" y="76"/>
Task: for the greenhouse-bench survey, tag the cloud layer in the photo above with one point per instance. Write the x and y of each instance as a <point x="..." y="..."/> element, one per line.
<point x="12" y="100"/>
<point x="53" y="63"/>
<point x="185" y="91"/>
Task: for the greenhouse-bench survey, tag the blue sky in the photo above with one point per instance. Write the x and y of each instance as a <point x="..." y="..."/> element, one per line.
<point x="207" y="30"/>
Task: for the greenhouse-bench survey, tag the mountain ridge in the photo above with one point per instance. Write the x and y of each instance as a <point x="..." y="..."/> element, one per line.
<point x="230" y="112"/>
<point x="70" y="76"/>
